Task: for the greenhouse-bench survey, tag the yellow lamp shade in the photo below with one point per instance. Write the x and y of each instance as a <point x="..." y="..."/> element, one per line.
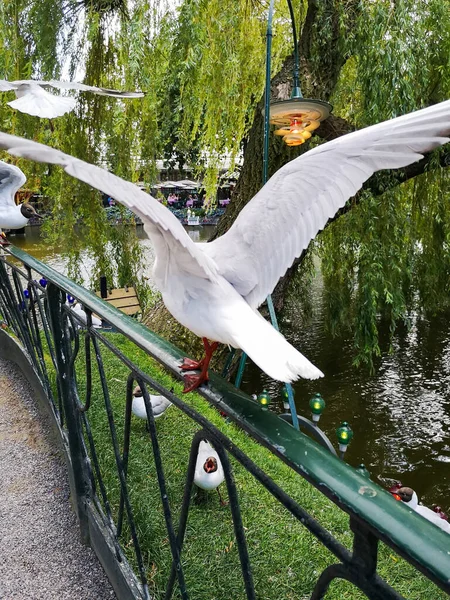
<point x="297" y="118"/>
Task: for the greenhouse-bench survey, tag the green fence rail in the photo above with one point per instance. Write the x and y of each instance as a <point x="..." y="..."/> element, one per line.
<point x="71" y="361"/>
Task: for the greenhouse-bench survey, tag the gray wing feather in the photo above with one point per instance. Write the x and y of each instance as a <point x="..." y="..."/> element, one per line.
<point x="73" y="85"/>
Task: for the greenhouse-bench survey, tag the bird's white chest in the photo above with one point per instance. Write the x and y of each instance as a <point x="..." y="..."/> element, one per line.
<point x="12" y="218"/>
<point x="207" y="481"/>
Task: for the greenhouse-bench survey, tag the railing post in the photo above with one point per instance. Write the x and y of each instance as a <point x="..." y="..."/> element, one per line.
<point x="78" y="475"/>
<point x="365" y="549"/>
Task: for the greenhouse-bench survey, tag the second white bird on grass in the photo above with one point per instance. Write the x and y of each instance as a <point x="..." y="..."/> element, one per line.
<point x="215" y="289"/>
<point x="81" y="313"/>
<point x="159" y="404"/>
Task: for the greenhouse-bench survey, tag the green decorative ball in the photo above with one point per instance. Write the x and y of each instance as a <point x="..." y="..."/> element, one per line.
<point x="317" y="404"/>
<point x="344" y="434"/>
<point x="264" y="398"/>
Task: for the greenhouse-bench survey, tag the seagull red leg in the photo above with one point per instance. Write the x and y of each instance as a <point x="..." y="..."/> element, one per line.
<point x="191" y="365"/>
<point x="191" y="382"/>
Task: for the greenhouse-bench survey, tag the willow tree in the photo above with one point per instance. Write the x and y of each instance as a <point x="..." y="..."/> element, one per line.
<point x="104" y="43"/>
<point x="387" y="251"/>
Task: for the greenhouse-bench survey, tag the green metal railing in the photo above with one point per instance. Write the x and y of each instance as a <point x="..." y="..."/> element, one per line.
<point x="53" y="341"/>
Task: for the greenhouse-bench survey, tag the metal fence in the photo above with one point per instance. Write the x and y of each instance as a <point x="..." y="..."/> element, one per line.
<point x="76" y="364"/>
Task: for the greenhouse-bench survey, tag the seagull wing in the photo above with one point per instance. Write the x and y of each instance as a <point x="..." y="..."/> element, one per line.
<point x="6" y="86"/>
<point x="298" y="200"/>
<point x="11" y="179"/>
<point x="33" y="100"/>
<point x="166" y="231"/>
<point x="73" y="85"/>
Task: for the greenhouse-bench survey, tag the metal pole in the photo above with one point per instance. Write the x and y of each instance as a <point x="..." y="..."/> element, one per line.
<point x="295" y="93"/>
<point x="79" y="479"/>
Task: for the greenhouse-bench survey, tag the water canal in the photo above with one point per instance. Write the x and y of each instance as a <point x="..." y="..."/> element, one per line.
<point x="400" y="415"/>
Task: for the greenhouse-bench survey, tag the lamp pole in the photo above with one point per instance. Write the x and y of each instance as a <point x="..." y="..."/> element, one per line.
<point x="295" y="93"/>
<point x="296" y="90"/>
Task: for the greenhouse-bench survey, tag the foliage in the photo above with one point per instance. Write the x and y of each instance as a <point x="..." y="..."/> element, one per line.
<point x="389" y="256"/>
<point x="109" y="45"/>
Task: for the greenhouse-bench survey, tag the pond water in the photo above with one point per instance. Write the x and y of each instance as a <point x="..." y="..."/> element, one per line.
<point x="400" y="415"/>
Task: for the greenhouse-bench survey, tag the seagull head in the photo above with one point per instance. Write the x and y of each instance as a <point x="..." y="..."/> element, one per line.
<point x="28" y="211"/>
<point x="406" y="495"/>
<point x="137" y="392"/>
<point x="210" y="465"/>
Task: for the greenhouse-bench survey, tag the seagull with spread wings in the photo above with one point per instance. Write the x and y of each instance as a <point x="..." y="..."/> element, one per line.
<point x="12" y="216"/>
<point x="215" y="289"/>
<point x="34" y="100"/>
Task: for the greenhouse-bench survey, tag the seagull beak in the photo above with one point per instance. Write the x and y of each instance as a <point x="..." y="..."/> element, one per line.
<point x="38" y="216"/>
<point x="396" y="496"/>
<point x="210" y="465"/>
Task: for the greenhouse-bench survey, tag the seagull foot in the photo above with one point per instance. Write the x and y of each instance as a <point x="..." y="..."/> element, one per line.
<point x="192" y="382"/>
<point x="191" y="365"/>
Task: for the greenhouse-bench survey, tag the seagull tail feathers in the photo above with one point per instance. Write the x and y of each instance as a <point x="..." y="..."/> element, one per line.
<point x="273" y="353"/>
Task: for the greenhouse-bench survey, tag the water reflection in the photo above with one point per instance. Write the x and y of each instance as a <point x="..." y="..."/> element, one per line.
<point x="400" y="415"/>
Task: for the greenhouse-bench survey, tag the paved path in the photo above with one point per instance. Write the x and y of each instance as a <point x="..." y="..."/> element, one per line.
<point x="41" y="556"/>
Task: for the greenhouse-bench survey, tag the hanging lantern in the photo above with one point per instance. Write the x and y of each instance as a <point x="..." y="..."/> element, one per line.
<point x="285" y="397"/>
<point x="43" y="282"/>
<point x="297" y="118"/>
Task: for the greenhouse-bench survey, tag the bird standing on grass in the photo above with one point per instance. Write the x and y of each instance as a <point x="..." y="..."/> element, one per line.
<point x="34" y="100"/>
<point x="215" y="289"/>
<point x="159" y="404"/>
<point x="208" y="473"/>
<point x="12" y="216"/>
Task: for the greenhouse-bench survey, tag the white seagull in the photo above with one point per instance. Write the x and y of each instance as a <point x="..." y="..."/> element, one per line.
<point x="159" y="404"/>
<point x="33" y="99"/>
<point x="409" y="497"/>
<point x="12" y="216"/>
<point x="209" y="472"/>
<point x="81" y="313"/>
<point x="214" y="289"/>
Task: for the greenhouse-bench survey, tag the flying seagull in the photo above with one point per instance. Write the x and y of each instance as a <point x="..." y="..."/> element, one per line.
<point x="12" y="216"/>
<point x="215" y="289"/>
<point x="33" y="99"/>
